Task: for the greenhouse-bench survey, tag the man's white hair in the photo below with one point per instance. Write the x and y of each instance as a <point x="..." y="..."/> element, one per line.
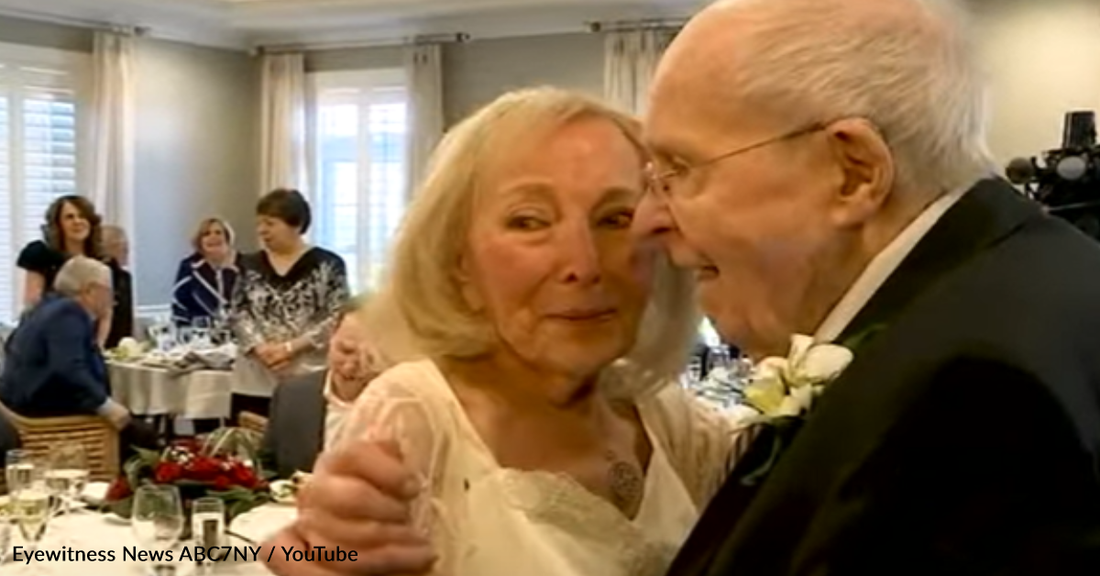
<point x="904" y="65"/>
<point x="78" y="272"/>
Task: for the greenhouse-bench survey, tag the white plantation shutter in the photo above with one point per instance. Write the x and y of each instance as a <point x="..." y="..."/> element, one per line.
<point x="39" y="130"/>
<point x="360" y="122"/>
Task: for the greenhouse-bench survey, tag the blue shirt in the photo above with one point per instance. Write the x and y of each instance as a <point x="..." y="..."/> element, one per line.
<point x="53" y="366"/>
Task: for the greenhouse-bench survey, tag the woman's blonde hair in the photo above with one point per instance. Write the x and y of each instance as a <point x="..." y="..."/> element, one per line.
<point x="196" y="238"/>
<point x="423" y="288"/>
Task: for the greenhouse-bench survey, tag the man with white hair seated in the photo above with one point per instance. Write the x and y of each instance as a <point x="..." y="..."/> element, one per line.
<point x="53" y="366"/>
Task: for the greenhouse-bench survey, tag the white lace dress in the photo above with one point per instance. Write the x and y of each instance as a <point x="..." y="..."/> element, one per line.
<point x="487" y="520"/>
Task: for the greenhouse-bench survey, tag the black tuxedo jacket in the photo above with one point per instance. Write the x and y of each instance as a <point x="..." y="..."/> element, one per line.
<point x="964" y="436"/>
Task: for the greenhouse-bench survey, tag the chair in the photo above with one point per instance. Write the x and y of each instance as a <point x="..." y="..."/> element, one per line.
<point x="96" y="434"/>
<point x="253" y="422"/>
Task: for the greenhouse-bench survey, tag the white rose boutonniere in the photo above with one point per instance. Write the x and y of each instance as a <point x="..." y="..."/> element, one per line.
<point x="780" y="387"/>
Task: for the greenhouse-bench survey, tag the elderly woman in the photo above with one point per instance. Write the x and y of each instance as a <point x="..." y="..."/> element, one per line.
<point x="72" y="228"/>
<point x="205" y="279"/>
<point x="116" y="254"/>
<point x="542" y="420"/>
<point x="285" y="304"/>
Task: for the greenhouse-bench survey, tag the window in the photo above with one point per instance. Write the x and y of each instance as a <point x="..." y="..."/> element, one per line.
<point x="360" y="125"/>
<point x="40" y="115"/>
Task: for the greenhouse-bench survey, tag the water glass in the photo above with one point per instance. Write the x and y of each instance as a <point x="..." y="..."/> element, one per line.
<point x="208" y="522"/>
<point x="157" y="517"/>
<point x="18" y="469"/>
<point x="67" y="474"/>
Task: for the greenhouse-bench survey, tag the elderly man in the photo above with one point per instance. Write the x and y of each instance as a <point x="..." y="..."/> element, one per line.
<point x="821" y="165"/>
<point x="306" y="413"/>
<point x="53" y="366"/>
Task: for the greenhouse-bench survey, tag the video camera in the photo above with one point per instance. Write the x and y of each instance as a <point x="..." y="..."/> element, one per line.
<point x="1067" y="181"/>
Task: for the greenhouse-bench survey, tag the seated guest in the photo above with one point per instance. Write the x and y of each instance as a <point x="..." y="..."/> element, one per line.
<point x="307" y="412"/>
<point x="205" y="279"/>
<point x="53" y="366"/>
<point x="285" y="303"/>
<point x="116" y="252"/>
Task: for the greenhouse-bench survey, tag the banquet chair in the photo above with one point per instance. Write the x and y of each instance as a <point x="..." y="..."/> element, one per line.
<point x="252" y="421"/>
<point x="96" y="434"/>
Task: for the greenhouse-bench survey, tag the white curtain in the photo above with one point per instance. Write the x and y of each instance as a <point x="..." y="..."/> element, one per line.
<point x="630" y="58"/>
<point x="423" y="64"/>
<point x="112" y="129"/>
<point x="283" y="123"/>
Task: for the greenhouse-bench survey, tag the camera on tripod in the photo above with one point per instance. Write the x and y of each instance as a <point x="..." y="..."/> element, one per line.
<point x="1067" y="180"/>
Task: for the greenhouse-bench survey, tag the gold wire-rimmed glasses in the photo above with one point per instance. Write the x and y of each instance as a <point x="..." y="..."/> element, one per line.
<point x="659" y="179"/>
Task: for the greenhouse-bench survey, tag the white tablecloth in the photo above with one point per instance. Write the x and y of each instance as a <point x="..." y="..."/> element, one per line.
<point x="92" y="531"/>
<point x="149" y="391"/>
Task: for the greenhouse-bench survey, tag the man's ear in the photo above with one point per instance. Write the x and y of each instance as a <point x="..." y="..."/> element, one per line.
<point x="867" y="167"/>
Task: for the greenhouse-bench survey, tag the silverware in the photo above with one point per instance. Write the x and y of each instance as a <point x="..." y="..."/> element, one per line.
<point x="238" y="536"/>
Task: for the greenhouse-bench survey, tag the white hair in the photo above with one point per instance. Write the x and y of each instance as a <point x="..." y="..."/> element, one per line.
<point x="904" y="65"/>
<point x="78" y="272"/>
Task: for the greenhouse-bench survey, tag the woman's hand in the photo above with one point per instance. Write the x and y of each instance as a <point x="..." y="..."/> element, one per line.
<point x="357" y="501"/>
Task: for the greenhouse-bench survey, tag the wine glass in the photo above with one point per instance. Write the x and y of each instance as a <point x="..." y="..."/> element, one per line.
<point x="18" y="469"/>
<point x="68" y="473"/>
<point x="31" y="508"/>
<point x="157" y="518"/>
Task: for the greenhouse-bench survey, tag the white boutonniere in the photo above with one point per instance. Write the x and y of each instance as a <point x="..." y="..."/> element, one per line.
<point x="781" y="387"/>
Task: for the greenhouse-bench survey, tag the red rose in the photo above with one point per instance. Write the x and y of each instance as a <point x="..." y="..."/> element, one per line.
<point x="118" y="490"/>
<point x="243" y="476"/>
<point x="167" y="472"/>
<point x="222" y="483"/>
<point x="203" y="468"/>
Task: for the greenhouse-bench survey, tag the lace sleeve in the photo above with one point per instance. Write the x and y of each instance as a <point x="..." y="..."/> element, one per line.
<point x="700" y="439"/>
<point x="391" y="408"/>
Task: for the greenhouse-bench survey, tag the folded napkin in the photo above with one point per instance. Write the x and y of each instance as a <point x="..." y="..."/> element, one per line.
<point x="95" y="492"/>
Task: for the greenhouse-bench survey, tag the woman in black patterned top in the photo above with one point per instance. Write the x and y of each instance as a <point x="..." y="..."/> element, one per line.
<point x="286" y="301"/>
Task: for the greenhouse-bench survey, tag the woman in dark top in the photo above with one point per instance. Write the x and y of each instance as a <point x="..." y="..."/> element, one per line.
<point x="205" y="279"/>
<point x="72" y="228"/>
<point x="286" y="302"/>
<point x="116" y="253"/>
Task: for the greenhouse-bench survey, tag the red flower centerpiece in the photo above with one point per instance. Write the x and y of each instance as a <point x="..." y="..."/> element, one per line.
<point x="224" y="465"/>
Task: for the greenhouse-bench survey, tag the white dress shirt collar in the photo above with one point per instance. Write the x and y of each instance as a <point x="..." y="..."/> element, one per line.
<point x="882" y="266"/>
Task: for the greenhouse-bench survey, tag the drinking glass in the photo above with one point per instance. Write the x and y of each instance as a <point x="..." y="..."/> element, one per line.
<point x="68" y="473"/>
<point x="208" y="523"/>
<point x="157" y="519"/>
<point x="185" y="336"/>
<point x="6" y="519"/>
<point x="31" y="509"/>
<point x="405" y="422"/>
<point x="18" y="469"/>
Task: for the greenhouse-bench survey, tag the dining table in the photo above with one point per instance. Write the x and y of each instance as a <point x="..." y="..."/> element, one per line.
<point x="159" y="391"/>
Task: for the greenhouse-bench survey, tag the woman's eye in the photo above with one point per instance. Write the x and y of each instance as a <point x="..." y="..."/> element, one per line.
<point x="525" y="223"/>
<point x="620" y="219"/>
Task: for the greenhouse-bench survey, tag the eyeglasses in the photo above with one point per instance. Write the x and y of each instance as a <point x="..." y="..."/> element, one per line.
<point x="659" y="180"/>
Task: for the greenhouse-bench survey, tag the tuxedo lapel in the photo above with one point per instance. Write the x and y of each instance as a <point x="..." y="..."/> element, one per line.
<point x="986" y="214"/>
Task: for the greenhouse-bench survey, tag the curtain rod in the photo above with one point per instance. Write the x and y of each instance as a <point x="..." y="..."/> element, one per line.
<point x="457" y="38"/>
<point x="628" y="25"/>
<point x="75" y="22"/>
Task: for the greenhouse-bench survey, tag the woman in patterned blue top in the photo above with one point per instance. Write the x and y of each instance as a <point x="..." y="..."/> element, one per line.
<point x="286" y="302"/>
<point x="205" y="280"/>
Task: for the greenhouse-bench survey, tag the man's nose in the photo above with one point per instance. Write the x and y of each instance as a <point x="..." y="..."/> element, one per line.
<point x="652" y="219"/>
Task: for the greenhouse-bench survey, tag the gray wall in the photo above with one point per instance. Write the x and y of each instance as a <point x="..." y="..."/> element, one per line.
<point x="476" y="72"/>
<point x="196" y="154"/>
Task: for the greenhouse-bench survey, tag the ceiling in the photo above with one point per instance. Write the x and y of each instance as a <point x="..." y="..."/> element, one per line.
<point x="248" y="23"/>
